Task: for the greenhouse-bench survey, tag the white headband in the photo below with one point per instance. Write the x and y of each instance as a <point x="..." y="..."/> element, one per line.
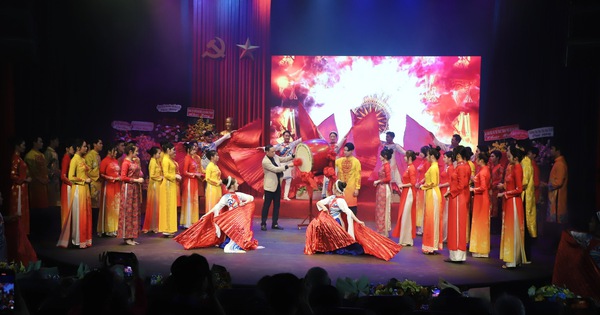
<point x="336" y="186"/>
<point x="228" y="181"/>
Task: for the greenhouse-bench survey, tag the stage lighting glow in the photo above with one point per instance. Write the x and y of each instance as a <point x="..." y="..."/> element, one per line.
<point x="440" y="93"/>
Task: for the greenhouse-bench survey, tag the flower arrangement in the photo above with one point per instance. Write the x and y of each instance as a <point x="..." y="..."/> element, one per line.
<point x="17" y="267"/>
<point x="196" y="131"/>
<point x="168" y="129"/>
<point x="551" y="293"/>
<point x="409" y="288"/>
<point x="351" y="288"/>
<point x="144" y="143"/>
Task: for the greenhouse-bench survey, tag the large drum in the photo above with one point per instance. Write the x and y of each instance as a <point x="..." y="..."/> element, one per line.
<point x="313" y="154"/>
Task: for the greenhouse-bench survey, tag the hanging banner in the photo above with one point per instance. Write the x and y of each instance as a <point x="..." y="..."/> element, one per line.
<point x="200" y="112"/>
<point x="121" y="125"/>
<point x="544" y="132"/>
<point x="519" y="134"/>
<point x="168" y="108"/>
<point x="142" y="125"/>
<point x="498" y="133"/>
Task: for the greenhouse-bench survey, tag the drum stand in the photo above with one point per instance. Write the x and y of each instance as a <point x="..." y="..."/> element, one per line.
<point x="309" y="217"/>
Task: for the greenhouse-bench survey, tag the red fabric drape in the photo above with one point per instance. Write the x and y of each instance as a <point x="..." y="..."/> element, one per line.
<point x="233" y="87"/>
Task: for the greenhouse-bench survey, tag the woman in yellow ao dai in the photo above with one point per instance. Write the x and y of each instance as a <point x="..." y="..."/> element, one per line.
<point x="213" y="179"/>
<point x="167" y="218"/>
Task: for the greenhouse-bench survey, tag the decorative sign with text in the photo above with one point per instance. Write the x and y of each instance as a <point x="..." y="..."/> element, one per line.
<point x="200" y="112"/>
<point x="121" y="125"/>
<point x="519" y="134"/>
<point x="499" y="133"/>
<point x="545" y="132"/>
<point x="142" y="125"/>
<point x="168" y="108"/>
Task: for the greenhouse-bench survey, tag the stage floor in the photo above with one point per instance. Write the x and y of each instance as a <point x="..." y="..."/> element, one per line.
<point x="283" y="252"/>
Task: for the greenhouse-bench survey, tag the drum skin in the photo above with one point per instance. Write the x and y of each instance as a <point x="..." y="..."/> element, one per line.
<point x="313" y="154"/>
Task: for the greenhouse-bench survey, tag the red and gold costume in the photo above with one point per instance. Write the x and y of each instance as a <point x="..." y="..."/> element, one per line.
<point x="480" y="226"/>
<point x="227" y="218"/>
<point x="129" y="211"/>
<point x="152" y="197"/>
<point x="512" y="250"/>
<point x="19" y="201"/>
<point x="325" y="233"/>
<point x="348" y="171"/>
<point x="78" y="224"/>
<point x="458" y="208"/>
<point x="18" y="247"/>
<point x="497" y="178"/>
<point x="528" y="196"/>
<point x="405" y="228"/>
<point x="38" y="171"/>
<point x="383" y="200"/>
<point x="110" y="196"/>
<point x="189" y="202"/>
<point x="557" y="191"/>
<point x="432" y="221"/>
<point x="93" y="160"/>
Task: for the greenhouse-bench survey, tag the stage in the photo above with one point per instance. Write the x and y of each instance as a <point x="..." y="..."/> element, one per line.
<point x="283" y="252"/>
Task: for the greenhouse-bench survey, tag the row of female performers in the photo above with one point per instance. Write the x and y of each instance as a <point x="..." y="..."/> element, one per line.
<point x="453" y="204"/>
<point x="120" y="197"/>
<point x="119" y="213"/>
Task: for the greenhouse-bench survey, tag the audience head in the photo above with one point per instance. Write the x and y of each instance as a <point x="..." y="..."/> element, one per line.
<point x="508" y="305"/>
<point x="283" y="292"/>
<point x="316" y="276"/>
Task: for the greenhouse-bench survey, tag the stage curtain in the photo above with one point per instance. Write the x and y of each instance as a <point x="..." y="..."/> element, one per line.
<point x="232" y="86"/>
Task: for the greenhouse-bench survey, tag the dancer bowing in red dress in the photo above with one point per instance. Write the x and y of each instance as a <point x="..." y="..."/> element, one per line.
<point x="228" y="224"/>
<point x="328" y="233"/>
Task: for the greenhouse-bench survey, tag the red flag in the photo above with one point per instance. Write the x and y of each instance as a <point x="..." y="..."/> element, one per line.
<point x="308" y="129"/>
<point x="415" y="135"/>
<point x="249" y="164"/>
<point x="365" y="134"/>
<point x="326" y="126"/>
<point x="245" y="137"/>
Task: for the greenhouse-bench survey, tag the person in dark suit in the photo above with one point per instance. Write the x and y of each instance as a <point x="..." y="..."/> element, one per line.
<point x="273" y="170"/>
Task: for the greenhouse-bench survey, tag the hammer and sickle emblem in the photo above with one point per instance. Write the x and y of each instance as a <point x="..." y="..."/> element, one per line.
<point x="213" y="50"/>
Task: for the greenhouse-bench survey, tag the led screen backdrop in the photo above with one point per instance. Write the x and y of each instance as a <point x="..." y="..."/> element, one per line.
<point x="436" y="94"/>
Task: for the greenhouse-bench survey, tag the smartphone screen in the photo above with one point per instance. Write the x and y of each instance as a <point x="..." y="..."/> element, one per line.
<point x="7" y="286"/>
<point x="128" y="272"/>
